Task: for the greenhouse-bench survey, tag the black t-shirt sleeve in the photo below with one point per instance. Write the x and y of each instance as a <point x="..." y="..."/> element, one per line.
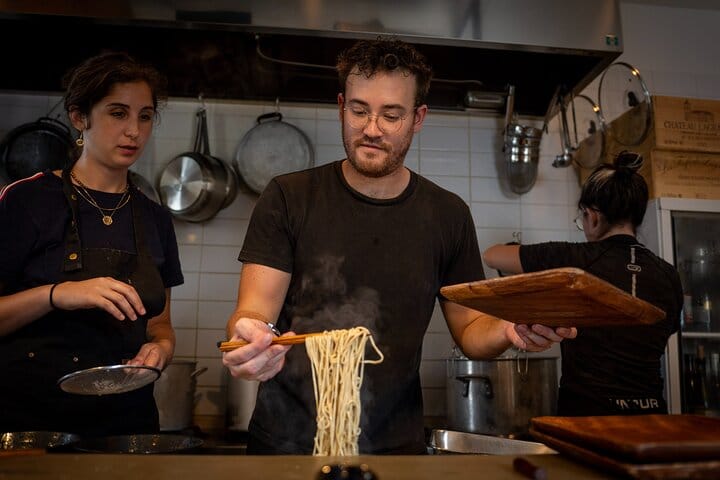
<point x="170" y="270"/>
<point x="268" y="240"/>
<point x="18" y="235"/>
<point x="544" y="256"/>
<point x="466" y="263"/>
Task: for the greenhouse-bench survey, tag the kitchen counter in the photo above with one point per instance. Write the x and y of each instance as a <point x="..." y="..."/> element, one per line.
<point x="217" y="467"/>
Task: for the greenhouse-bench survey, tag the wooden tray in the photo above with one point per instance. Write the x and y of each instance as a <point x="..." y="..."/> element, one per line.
<point x="639" y="438"/>
<point x="656" y="471"/>
<point x="561" y="297"/>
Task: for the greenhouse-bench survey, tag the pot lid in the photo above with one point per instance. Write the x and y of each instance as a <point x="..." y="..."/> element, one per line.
<point x="588" y="126"/>
<point x="622" y="92"/>
<point x="108" y="380"/>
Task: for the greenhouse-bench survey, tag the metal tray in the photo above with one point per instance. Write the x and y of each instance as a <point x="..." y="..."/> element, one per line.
<point x="448" y="441"/>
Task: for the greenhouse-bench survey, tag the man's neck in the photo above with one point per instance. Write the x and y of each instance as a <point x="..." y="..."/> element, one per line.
<point x="381" y="188"/>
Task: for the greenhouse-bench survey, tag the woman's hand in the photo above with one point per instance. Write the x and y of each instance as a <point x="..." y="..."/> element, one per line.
<point x="259" y="359"/>
<point x="152" y="354"/>
<point x="117" y="298"/>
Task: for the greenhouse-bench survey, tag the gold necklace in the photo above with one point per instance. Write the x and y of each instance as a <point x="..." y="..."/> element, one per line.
<point x="106" y="217"/>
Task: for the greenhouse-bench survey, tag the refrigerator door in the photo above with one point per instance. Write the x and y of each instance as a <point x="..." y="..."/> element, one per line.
<point x="686" y="233"/>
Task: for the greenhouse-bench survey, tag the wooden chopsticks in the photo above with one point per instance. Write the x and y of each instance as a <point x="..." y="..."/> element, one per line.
<point x="289" y="340"/>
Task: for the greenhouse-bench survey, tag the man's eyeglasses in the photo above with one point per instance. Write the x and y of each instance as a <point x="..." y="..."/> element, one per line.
<point x="387" y="122"/>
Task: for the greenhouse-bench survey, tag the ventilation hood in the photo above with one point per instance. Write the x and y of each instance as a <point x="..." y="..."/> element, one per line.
<point x="284" y="49"/>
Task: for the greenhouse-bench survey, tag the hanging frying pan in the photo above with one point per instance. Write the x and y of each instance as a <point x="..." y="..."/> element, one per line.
<point x="271" y="148"/>
<point x="35" y="147"/>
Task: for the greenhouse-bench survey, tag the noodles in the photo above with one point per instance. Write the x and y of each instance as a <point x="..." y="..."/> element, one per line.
<point x="337" y="358"/>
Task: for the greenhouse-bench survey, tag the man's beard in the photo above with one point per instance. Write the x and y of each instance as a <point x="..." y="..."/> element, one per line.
<point x="369" y="167"/>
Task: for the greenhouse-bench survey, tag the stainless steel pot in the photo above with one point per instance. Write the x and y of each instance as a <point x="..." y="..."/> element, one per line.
<point x="500" y="396"/>
<point x="240" y="403"/>
<point x="175" y="394"/>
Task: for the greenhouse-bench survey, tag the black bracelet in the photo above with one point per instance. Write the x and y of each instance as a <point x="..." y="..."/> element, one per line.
<point x="52" y="304"/>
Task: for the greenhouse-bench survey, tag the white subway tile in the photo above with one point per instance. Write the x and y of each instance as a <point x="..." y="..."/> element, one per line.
<point x="189" y="289"/>
<point x="207" y="342"/>
<point x="220" y="259"/>
<point x="545" y="217"/>
<point x="444" y="138"/>
<point x="437" y="346"/>
<point x="188" y="233"/>
<point x="184" y="313"/>
<point x="328" y="132"/>
<point x="219" y="286"/>
<point x="190" y="257"/>
<point x="496" y="215"/>
<point x="457" y="185"/>
<point x="486" y="164"/>
<point x="185" y="339"/>
<point x="325" y="154"/>
<point x="485" y="140"/>
<point x="214" y="314"/>
<point x="435" y="162"/>
<point x="445" y="119"/>
<point x="549" y="192"/>
<point x="489" y="190"/>
<point x="219" y="231"/>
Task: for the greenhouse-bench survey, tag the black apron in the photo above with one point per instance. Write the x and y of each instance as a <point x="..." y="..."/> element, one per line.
<point x="36" y="356"/>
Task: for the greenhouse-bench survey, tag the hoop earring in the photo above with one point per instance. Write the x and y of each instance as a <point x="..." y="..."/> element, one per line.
<point x="80" y="142"/>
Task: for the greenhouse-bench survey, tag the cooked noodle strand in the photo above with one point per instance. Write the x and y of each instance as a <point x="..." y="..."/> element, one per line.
<point x="338" y="364"/>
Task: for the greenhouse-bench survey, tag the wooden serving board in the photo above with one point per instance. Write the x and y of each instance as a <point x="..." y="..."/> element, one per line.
<point x="561" y="297"/>
<point x="656" y="471"/>
<point x="639" y="438"/>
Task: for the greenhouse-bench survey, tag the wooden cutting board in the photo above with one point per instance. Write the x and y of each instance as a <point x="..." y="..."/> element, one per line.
<point x="709" y="469"/>
<point x="639" y="438"/>
<point x="561" y="297"/>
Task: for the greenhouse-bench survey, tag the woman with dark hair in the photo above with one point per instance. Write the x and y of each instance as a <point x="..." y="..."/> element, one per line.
<point x="609" y="371"/>
<point x="87" y="264"/>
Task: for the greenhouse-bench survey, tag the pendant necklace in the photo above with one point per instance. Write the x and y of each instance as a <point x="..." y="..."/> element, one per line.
<point x="107" y="213"/>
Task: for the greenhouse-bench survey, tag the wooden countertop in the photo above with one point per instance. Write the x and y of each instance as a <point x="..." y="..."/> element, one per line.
<point x="233" y="467"/>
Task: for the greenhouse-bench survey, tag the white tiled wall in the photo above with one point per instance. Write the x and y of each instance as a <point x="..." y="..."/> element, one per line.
<point x="675" y="50"/>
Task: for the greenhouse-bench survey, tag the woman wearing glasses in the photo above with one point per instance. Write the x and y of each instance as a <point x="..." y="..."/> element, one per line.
<point x="609" y="371"/>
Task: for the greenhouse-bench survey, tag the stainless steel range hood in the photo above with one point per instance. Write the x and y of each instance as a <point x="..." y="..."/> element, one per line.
<point x="263" y="50"/>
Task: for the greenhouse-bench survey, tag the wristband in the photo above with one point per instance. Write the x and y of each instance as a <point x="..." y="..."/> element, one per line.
<point x="52" y="304"/>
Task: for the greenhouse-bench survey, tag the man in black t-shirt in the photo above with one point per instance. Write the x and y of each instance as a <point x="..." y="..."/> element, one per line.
<point x="360" y="242"/>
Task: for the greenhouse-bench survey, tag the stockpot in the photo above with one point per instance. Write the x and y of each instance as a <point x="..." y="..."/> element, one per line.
<point x="175" y="394"/>
<point x="500" y="396"/>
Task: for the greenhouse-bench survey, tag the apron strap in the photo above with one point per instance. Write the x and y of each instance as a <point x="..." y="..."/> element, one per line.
<point x="72" y="258"/>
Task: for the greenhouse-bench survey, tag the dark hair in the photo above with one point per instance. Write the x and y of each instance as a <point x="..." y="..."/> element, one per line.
<point x="386" y="54"/>
<point x="617" y="190"/>
<point x="93" y="79"/>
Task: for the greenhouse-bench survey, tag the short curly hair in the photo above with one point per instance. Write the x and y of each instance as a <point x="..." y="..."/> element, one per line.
<point x="385" y="54"/>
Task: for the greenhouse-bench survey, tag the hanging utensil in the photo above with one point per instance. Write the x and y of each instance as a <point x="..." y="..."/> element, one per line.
<point x="195" y="185"/>
<point x="588" y="132"/>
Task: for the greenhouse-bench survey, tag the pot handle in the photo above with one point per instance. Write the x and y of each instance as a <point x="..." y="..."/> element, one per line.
<point x="198" y="372"/>
<point x="270" y="116"/>
<point x="466" y="382"/>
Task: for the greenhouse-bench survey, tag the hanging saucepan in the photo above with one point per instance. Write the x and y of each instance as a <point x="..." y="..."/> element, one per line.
<point x="144" y="186"/>
<point x="194" y="185"/>
<point x="270" y="148"/>
<point x="35" y="147"/>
